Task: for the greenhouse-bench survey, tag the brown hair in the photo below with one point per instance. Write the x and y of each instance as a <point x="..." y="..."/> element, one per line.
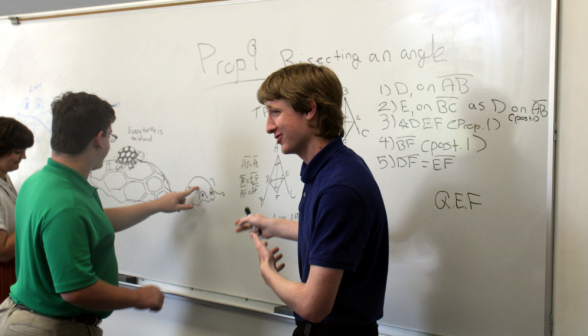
<point x="300" y="84"/>
<point x="14" y="135"/>
<point x="77" y="118"/>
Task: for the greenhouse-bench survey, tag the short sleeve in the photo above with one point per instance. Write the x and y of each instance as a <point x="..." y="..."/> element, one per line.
<point x="3" y="225"/>
<point x="341" y="229"/>
<point x="67" y="244"/>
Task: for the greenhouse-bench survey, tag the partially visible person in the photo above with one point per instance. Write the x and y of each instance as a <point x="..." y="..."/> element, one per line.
<point x="66" y="267"/>
<point x="15" y="138"/>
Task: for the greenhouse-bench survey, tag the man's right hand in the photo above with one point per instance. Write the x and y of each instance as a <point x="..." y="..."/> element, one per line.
<point x="256" y="222"/>
<point x="149" y="297"/>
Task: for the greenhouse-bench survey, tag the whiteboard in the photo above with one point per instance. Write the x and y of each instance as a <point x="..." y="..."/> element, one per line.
<point x="448" y="102"/>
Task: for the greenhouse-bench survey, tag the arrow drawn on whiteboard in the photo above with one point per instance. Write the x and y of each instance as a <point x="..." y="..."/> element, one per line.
<point x="236" y="82"/>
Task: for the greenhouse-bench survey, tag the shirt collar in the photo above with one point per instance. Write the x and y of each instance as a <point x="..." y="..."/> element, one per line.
<point x="6" y="184"/>
<point x="70" y="174"/>
<point x="310" y="170"/>
<point x="9" y="187"/>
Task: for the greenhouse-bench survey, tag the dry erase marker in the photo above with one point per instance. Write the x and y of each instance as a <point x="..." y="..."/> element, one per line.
<point x="248" y="213"/>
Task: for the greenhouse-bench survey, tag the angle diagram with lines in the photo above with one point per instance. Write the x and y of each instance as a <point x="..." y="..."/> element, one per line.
<point x="276" y="181"/>
<point x="350" y="121"/>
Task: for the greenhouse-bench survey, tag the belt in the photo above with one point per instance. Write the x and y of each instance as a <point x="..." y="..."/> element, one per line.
<point x="84" y="318"/>
<point x="310" y="329"/>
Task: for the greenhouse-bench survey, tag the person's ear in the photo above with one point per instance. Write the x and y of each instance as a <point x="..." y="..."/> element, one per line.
<point x="312" y="111"/>
<point x="97" y="140"/>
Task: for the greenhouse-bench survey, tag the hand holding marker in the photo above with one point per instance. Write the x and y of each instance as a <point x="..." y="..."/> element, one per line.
<point x="248" y="213"/>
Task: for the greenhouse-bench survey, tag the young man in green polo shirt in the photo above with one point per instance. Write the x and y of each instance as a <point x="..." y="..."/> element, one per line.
<point x="67" y="272"/>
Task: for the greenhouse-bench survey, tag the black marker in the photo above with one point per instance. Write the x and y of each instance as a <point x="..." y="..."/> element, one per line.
<point x="248" y="213"/>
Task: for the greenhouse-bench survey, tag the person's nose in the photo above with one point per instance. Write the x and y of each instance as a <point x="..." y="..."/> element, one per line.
<point x="270" y="126"/>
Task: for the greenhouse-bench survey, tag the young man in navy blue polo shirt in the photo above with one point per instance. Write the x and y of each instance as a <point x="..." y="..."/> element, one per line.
<point x="342" y="233"/>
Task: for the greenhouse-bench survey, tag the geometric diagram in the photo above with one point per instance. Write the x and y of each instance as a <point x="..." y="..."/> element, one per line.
<point x="205" y="193"/>
<point x="34" y="115"/>
<point x="276" y="179"/>
<point x="349" y="121"/>
<point x="131" y="179"/>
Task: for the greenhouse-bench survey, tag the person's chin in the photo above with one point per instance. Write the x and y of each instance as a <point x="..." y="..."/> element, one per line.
<point x="98" y="166"/>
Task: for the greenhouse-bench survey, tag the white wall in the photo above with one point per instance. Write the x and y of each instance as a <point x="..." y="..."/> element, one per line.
<point x="570" y="305"/>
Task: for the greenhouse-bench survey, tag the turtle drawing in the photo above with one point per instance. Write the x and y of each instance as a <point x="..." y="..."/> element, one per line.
<point x="129" y="178"/>
<point x="205" y="193"/>
<point x="128" y="156"/>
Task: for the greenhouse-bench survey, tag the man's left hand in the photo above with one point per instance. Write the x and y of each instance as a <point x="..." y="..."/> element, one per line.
<point x="267" y="257"/>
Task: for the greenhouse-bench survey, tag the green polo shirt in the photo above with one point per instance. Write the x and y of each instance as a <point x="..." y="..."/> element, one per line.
<point x="64" y="241"/>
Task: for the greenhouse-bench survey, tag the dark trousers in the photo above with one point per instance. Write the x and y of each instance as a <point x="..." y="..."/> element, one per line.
<point x="304" y="328"/>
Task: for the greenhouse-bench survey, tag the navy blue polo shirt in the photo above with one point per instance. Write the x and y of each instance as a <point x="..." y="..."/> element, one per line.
<point x="343" y="225"/>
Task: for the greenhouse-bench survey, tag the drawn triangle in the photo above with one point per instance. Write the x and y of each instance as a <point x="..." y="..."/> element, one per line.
<point x="349" y="118"/>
